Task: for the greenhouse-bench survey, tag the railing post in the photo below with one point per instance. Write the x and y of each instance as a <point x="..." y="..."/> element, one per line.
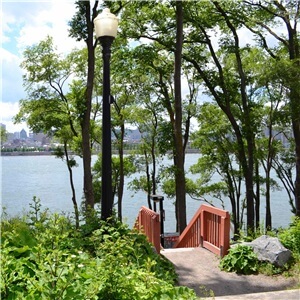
<point x="225" y="234"/>
<point x="148" y="223"/>
<point x="202" y="228"/>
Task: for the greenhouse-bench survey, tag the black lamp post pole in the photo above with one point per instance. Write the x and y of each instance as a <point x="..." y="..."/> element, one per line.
<point x="160" y="199"/>
<point x="107" y="201"/>
<point x="162" y="219"/>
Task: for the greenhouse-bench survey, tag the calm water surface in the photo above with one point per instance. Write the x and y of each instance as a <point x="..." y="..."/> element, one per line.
<point x="47" y="178"/>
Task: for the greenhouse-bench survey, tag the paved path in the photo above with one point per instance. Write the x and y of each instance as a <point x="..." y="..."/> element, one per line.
<point x="198" y="269"/>
<point x="279" y="295"/>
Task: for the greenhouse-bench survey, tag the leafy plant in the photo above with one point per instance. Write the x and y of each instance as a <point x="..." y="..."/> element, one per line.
<point x="49" y="259"/>
<point x="240" y="259"/>
<point x="269" y="269"/>
<point x="290" y="238"/>
<point x="36" y="214"/>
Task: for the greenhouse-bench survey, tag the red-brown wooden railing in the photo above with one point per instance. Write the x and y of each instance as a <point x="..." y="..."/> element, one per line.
<point x="215" y="230"/>
<point x="190" y="237"/>
<point x="209" y="228"/>
<point x="148" y="223"/>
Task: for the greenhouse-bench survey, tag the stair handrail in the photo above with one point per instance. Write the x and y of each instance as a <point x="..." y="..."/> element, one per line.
<point x="186" y="239"/>
<point x="209" y="228"/>
<point x="148" y="222"/>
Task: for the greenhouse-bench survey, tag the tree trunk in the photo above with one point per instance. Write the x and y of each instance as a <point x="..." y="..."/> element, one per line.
<point x="295" y="113"/>
<point x="296" y="130"/>
<point x="257" y="195"/>
<point x="150" y="189"/>
<point x="121" y="183"/>
<point x="76" y="211"/>
<point x="270" y="157"/>
<point x="85" y="123"/>
<point x="179" y="151"/>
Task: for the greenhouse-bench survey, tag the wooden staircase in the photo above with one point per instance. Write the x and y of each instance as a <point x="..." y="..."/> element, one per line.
<point x="209" y="228"/>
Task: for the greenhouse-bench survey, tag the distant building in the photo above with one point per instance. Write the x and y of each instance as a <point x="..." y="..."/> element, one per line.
<point x="23" y="134"/>
<point x="16" y="135"/>
<point x="40" y="138"/>
<point x="10" y="136"/>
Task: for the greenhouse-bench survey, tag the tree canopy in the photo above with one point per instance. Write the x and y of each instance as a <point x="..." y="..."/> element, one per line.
<point x="231" y="68"/>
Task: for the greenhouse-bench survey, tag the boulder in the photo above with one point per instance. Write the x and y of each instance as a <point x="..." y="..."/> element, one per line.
<point x="270" y="249"/>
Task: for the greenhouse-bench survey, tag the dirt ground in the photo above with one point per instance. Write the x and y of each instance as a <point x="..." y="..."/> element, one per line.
<point x="199" y="269"/>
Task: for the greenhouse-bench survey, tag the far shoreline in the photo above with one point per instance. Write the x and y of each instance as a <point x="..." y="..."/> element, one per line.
<point x="50" y="153"/>
<point x="27" y="153"/>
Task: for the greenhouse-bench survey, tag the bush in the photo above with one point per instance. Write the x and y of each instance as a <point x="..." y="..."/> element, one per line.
<point x="48" y="259"/>
<point x="244" y="261"/>
<point x="240" y="259"/>
<point x="290" y="238"/>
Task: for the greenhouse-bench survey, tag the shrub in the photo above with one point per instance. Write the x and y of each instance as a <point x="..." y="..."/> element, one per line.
<point x="290" y="238"/>
<point x="240" y="259"/>
<point x="131" y="248"/>
<point x="49" y="259"/>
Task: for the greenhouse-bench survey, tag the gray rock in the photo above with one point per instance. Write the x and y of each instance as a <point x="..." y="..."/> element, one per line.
<point x="270" y="249"/>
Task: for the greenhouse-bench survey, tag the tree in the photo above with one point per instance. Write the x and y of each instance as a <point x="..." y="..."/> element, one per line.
<point x="148" y="121"/>
<point x="284" y="165"/>
<point x="270" y="93"/>
<point x="126" y="83"/>
<point x="71" y="163"/>
<point x="154" y="13"/>
<point x="3" y="135"/>
<point x="212" y="33"/>
<point x="178" y="138"/>
<point x="135" y="84"/>
<point x="287" y="56"/>
<point x="219" y="156"/>
<point x="48" y="108"/>
<point x="227" y="85"/>
<point x="82" y="28"/>
<point x="128" y="169"/>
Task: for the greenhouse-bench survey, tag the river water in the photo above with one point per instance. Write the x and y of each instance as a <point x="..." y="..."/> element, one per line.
<point x="47" y="178"/>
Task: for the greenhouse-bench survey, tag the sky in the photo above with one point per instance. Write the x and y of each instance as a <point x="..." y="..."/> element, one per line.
<point x="25" y="23"/>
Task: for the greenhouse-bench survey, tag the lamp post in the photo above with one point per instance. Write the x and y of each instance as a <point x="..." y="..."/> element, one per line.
<point x="106" y="25"/>
<point x="160" y="199"/>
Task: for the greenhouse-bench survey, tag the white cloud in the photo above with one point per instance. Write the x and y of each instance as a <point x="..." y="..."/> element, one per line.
<point x="50" y="20"/>
<point x="12" y="90"/>
<point x="8" y="56"/>
<point x="25" y="23"/>
<point x="6" y="20"/>
<point x="8" y="111"/>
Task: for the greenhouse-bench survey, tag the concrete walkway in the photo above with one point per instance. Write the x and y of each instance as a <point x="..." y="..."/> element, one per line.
<point x="279" y="295"/>
<point x="198" y="269"/>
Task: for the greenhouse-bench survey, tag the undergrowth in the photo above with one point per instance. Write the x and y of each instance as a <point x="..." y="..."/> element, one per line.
<point x="241" y="259"/>
<point x="44" y="257"/>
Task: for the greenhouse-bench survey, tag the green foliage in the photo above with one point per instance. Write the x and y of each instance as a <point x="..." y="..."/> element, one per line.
<point x="132" y="269"/>
<point x="290" y="238"/>
<point x="3" y="135"/>
<point x="269" y="269"/>
<point x="36" y="214"/>
<point x="128" y="169"/>
<point x="240" y="259"/>
<point x="46" y="258"/>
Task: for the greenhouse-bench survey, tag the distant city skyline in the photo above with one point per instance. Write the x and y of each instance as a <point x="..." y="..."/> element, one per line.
<point x="15" y="128"/>
<point x="18" y="129"/>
